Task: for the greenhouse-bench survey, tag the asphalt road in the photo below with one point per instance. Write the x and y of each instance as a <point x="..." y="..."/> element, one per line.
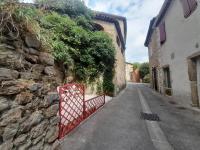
<point x="118" y="125"/>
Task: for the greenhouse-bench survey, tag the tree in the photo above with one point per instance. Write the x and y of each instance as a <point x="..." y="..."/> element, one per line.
<point x="136" y="65"/>
<point x="144" y="70"/>
<point x="72" y="8"/>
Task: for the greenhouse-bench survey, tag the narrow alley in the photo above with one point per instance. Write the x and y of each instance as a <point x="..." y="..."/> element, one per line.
<point x="119" y="126"/>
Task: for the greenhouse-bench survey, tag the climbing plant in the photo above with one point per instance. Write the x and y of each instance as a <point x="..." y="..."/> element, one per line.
<point x="71" y="38"/>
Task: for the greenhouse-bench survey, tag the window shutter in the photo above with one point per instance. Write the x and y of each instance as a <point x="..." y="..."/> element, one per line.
<point x="186" y="8"/>
<point x="162" y="33"/>
<point x="192" y="5"/>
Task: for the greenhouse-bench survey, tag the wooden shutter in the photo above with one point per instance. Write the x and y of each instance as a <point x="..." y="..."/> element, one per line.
<point x="162" y="33"/>
<point x="192" y="5"/>
<point x="186" y="8"/>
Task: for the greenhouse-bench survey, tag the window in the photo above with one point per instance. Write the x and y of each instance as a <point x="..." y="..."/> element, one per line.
<point x="167" y="81"/>
<point x="162" y="32"/>
<point x="98" y="27"/>
<point x="188" y="7"/>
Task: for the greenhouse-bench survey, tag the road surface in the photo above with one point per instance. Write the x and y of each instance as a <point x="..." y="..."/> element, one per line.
<point x="119" y="126"/>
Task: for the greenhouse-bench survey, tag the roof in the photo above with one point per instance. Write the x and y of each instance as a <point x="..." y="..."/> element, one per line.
<point x="129" y="63"/>
<point x="114" y="19"/>
<point x="150" y="32"/>
<point x="156" y="20"/>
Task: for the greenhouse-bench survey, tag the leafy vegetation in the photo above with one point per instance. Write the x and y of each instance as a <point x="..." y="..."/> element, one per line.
<point x="136" y="65"/>
<point x="144" y="70"/>
<point x="146" y="78"/>
<point x="69" y="36"/>
<point x="72" y="8"/>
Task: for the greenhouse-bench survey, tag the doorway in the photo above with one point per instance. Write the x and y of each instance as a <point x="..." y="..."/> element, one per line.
<point x="198" y="77"/>
<point x="155" y="78"/>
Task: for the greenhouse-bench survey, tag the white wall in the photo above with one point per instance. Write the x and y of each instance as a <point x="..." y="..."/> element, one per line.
<point x="183" y="35"/>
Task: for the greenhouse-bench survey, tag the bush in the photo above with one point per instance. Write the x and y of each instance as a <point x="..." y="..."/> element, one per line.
<point x="72" y="8"/>
<point x="144" y="70"/>
<point x="147" y="79"/>
<point x="85" y="53"/>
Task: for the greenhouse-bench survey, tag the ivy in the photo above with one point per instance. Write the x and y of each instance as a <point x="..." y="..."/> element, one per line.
<point x="71" y="37"/>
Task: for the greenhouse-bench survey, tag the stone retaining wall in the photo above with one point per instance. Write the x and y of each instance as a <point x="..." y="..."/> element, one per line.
<point x="28" y="97"/>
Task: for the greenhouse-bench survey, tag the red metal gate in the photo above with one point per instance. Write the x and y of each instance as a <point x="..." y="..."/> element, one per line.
<point x="73" y="108"/>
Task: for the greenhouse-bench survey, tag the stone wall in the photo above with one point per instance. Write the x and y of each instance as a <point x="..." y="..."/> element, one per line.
<point x="28" y="97"/>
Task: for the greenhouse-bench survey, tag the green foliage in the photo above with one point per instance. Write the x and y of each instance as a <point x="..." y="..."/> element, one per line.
<point x="84" y="23"/>
<point x="73" y="8"/>
<point x="86" y="54"/>
<point x="136" y="65"/>
<point x="144" y="70"/>
<point x="108" y="86"/>
<point x="89" y="52"/>
<point x="146" y="78"/>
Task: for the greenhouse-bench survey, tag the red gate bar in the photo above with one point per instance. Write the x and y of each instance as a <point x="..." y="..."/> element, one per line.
<point x="93" y="105"/>
<point x="73" y="108"/>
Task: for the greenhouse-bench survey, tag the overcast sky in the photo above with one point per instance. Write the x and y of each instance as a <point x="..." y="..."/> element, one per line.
<point x="138" y="14"/>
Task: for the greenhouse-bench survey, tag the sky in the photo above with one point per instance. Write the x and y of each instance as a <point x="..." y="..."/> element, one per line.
<point x="138" y="14"/>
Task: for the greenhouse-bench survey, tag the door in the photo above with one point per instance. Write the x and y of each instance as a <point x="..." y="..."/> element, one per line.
<point x="198" y="77"/>
<point x="155" y="79"/>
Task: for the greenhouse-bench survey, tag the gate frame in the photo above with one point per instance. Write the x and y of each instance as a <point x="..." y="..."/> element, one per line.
<point x="85" y="114"/>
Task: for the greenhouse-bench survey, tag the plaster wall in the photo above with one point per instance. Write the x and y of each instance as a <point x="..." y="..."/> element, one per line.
<point x="183" y="39"/>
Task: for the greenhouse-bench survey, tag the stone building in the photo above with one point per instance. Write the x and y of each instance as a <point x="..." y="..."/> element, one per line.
<point x="174" y="53"/>
<point x="116" y="27"/>
<point x="132" y="75"/>
<point x="129" y="72"/>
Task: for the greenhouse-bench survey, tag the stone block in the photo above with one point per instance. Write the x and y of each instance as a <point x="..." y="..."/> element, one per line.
<point x="10" y="131"/>
<point x="35" y="87"/>
<point x="52" y="134"/>
<point x="7" y="74"/>
<point x="20" y="140"/>
<point x="46" y="58"/>
<point x="32" y="41"/>
<point x="8" y="145"/>
<point x="50" y="71"/>
<point x="33" y="120"/>
<point x="11" y="87"/>
<point x="24" y="98"/>
<point x="25" y="146"/>
<point x="31" y="58"/>
<point x="12" y="116"/>
<point x="4" y="104"/>
<point x="51" y="111"/>
<point x="39" y="129"/>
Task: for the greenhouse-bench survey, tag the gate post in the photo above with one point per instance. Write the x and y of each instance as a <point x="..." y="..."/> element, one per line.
<point x="59" y="132"/>
<point x="84" y="107"/>
<point x="104" y="97"/>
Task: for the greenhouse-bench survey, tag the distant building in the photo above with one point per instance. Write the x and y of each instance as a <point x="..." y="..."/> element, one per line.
<point x="129" y="72"/>
<point x="173" y="42"/>
<point x="116" y="27"/>
<point x="132" y="75"/>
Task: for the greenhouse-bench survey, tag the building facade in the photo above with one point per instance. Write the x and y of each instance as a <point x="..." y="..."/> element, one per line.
<point x="129" y="72"/>
<point x="132" y="75"/>
<point x="173" y="42"/>
<point x="116" y="27"/>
